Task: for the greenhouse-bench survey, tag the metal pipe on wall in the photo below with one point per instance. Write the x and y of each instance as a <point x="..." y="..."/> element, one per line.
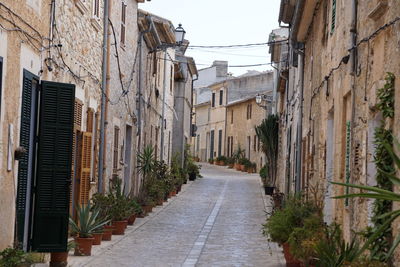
<point x="103" y="96"/>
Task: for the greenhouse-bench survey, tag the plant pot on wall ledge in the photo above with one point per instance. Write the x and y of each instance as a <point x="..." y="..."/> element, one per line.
<point x="269" y="190"/>
<point x="83" y="246"/>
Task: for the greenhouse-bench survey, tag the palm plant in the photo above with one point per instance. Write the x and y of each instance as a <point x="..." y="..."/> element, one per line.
<point x="268" y="132"/>
<point x="88" y="221"/>
<point x="380" y="194"/>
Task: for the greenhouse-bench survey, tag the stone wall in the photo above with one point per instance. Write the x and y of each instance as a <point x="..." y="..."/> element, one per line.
<point x="20" y="49"/>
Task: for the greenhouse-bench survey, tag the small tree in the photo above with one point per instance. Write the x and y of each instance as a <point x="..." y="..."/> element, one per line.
<point x="268" y="132"/>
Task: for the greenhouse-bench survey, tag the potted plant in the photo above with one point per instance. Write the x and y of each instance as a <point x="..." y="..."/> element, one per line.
<point x="87" y="223"/>
<point x="281" y="224"/>
<point x="211" y="161"/>
<point x="60" y="259"/>
<point x="135" y="210"/>
<point x="268" y="184"/>
<point x="230" y="162"/>
<point x="268" y="133"/>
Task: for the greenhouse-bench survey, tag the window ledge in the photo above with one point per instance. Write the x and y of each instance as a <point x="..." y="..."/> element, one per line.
<point x="96" y="23"/>
<point x="80" y="4"/>
<point x="379" y="10"/>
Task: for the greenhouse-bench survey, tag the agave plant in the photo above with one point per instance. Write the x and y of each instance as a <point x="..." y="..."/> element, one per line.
<point x="88" y="221"/>
<point x="380" y="194"/>
<point x="146" y="161"/>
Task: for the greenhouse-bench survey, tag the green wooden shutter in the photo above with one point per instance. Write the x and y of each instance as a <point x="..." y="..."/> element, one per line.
<point x="26" y="140"/>
<point x="333" y="18"/>
<point x="53" y="178"/>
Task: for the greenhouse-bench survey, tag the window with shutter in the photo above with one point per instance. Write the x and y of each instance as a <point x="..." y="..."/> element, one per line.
<point x="333" y="18"/>
<point x="213" y="100"/>
<point x="85" y="167"/>
<point x="123" y="20"/>
<point x="96" y="8"/>
<point x="26" y="163"/>
<point x="115" y="151"/>
<point x="53" y="176"/>
<point x="221" y="97"/>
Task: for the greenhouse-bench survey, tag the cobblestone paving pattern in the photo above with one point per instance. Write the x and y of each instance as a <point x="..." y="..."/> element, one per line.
<point x="216" y="221"/>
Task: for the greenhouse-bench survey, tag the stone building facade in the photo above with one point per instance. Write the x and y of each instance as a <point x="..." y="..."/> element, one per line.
<point x="185" y="74"/>
<point x="213" y="118"/>
<point x="242" y="117"/>
<point x="345" y="50"/>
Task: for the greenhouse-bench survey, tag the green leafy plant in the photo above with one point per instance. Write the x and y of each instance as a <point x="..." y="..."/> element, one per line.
<point x="281" y="224"/>
<point x="211" y="161"/>
<point x="268" y="133"/>
<point x="303" y="239"/>
<point x="87" y="221"/>
<point x="332" y="251"/>
<point x="11" y="257"/>
<point x="238" y="154"/>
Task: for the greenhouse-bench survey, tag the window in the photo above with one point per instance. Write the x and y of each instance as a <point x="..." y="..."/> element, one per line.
<point x="232" y="116"/>
<point x="249" y="110"/>
<point x="171" y="83"/>
<point x="255" y="143"/>
<point x="221" y="97"/>
<point x="116" y="144"/>
<point x="213" y="100"/>
<point x="123" y="20"/>
<point x="96" y="8"/>
<point x="333" y="18"/>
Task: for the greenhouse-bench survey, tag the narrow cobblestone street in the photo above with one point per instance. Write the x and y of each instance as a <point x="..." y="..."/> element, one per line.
<point x="215" y="221"/>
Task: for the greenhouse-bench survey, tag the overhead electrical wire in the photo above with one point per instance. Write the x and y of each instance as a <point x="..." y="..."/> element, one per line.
<point x="238" y="45"/>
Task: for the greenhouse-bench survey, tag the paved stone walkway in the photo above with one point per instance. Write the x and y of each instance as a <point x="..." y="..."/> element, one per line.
<point x="214" y="221"/>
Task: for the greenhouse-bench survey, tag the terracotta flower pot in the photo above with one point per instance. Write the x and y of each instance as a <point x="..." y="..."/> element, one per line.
<point x="242" y="167"/>
<point x="160" y="202"/>
<point x="148" y="209"/>
<point x="97" y="238"/>
<point x="107" y="234"/>
<point x="120" y="227"/>
<point x="174" y="193"/>
<point x="290" y="260"/>
<point x="59" y="259"/>
<point x="236" y="166"/>
<point x="230" y="166"/>
<point x="83" y="246"/>
<point x="131" y="219"/>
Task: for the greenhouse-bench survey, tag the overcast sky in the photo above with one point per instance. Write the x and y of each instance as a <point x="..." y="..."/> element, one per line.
<point x="222" y="22"/>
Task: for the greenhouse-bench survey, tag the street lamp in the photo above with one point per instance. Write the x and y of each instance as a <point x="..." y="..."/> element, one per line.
<point x="179" y="34"/>
<point x="263" y="98"/>
<point x="179" y="38"/>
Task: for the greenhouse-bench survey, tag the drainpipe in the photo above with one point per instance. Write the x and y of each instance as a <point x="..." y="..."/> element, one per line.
<point x="300" y="124"/>
<point x="353" y="73"/>
<point x="163" y="105"/>
<point x="103" y="96"/>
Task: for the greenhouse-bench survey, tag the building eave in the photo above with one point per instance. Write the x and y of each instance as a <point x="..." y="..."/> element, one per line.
<point x="302" y="19"/>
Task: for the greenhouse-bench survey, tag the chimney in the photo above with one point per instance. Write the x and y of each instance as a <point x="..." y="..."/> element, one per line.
<point x="222" y="68"/>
